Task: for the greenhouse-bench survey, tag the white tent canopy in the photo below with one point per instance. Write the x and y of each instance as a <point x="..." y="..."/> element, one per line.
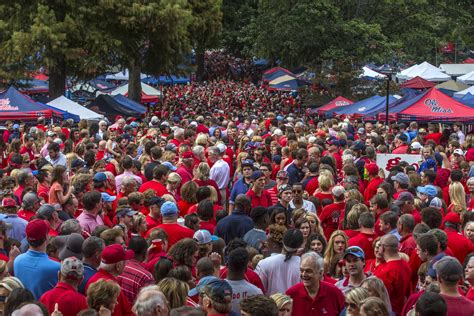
<point x="122" y="75"/>
<point x="367" y="72"/>
<point x="424" y="70"/>
<point x="462" y="93"/>
<point x="146" y="89"/>
<point x="467" y="78"/>
<point x="64" y="104"/>
<point x="456" y="70"/>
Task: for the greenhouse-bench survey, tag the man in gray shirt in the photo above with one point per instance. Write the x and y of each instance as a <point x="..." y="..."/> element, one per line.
<point x="256" y="236"/>
<point x="237" y="265"/>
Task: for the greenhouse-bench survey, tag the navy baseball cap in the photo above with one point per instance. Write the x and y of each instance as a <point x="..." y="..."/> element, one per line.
<point x="219" y="291"/>
<point x="100" y="177"/>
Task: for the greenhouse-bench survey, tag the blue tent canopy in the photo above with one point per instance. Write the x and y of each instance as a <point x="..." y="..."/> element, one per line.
<point x="129" y="104"/>
<point x="370" y="105"/>
<point x="17" y="106"/>
<point x="274" y="75"/>
<point x="467" y="99"/>
<point x="66" y="114"/>
<point x="410" y="95"/>
<point x="167" y="80"/>
<point x="400" y="106"/>
<point x="289" y="85"/>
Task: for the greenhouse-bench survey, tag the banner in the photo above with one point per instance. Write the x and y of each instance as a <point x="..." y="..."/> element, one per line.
<point x="387" y="161"/>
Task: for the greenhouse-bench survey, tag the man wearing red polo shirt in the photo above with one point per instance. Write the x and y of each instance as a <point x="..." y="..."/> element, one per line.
<point x="395" y="273"/>
<point x="65" y="294"/>
<point x="366" y="236"/>
<point x="112" y="265"/>
<point x="257" y="194"/>
<point x="460" y="245"/>
<point x="314" y="297"/>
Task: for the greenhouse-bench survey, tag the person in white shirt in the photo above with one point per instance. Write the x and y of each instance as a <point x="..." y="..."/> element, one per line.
<point x="220" y="171"/>
<point x="55" y="156"/>
<point x="281" y="271"/>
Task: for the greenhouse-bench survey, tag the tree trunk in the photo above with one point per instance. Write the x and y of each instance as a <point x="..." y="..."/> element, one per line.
<point x="57" y="78"/>
<point x="200" y="63"/>
<point x="134" y="83"/>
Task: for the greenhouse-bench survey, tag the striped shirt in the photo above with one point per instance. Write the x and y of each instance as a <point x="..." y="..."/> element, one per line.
<point x="133" y="278"/>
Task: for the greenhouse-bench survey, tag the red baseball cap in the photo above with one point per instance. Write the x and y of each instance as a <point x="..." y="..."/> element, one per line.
<point x="37" y="229"/>
<point x="372" y="168"/>
<point x="8" y="202"/>
<point x="116" y="253"/>
<point x="452" y="217"/>
<point x="187" y="154"/>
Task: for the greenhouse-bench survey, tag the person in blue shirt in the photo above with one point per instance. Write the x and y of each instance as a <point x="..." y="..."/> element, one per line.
<point x="242" y="185"/>
<point x="35" y="270"/>
<point x="295" y="169"/>
<point x="91" y="251"/>
<point x="10" y="216"/>
<point x="238" y="223"/>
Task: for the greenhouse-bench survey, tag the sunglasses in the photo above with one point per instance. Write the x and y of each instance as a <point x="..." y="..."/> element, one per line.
<point x="351" y="305"/>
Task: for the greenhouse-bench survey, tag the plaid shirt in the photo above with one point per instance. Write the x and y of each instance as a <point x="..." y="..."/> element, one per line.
<point x="133" y="278"/>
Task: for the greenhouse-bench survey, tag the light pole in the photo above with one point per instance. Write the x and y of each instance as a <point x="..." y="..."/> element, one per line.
<point x="387" y="70"/>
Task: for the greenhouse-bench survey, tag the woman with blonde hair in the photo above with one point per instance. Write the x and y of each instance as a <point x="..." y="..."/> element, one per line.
<point x="202" y="140"/>
<point x="172" y="184"/>
<point x="201" y="178"/>
<point x="377" y="289"/>
<point x="7" y="285"/>
<point x="238" y="170"/>
<point x="337" y="244"/>
<point x="374" y="306"/>
<point x="168" y="156"/>
<point x="284" y="304"/>
<point x="457" y="196"/>
<point x="175" y="291"/>
<point x="325" y="182"/>
<point x="314" y="223"/>
<point x="103" y="294"/>
<point x="354" y="299"/>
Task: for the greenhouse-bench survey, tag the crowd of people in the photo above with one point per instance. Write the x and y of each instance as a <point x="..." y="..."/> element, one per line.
<point x="227" y="202"/>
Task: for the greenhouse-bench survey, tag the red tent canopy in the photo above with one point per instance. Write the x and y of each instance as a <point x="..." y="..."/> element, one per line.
<point x="40" y="76"/>
<point x="418" y="83"/>
<point x="437" y="106"/>
<point x="147" y="98"/>
<point x="335" y="103"/>
<point x="468" y="61"/>
<point x="272" y="70"/>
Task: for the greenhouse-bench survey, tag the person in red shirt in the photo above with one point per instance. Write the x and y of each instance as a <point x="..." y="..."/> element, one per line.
<point x="449" y="272"/>
<point x="175" y="231"/>
<point x="374" y="181"/>
<point x="257" y="194"/>
<point x="469" y="276"/>
<point x="366" y="235"/>
<point x="395" y="273"/>
<point x="333" y="213"/>
<point x="27" y="148"/>
<point x="433" y="134"/>
<point x="158" y="184"/>
<point x="69" y="301"/>
<point x="400" y="143"/>
<point x="31" y="203"/>
<point x="406" y="203"/>
<point x="112" y="265"/>
<point x="405" y="226"/>
<point x="460" y="245"/>
<point x="153" y="219"/>
<point x="312" y="296"/>
<point x="185" y="171"/>
<point x="400" y="183"/>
